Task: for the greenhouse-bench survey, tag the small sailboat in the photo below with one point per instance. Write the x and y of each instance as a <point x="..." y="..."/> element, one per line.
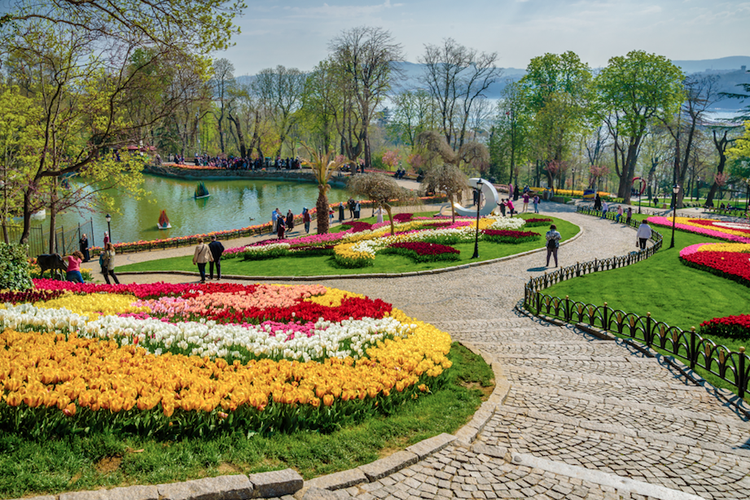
<point x="201" y="191"/>
<point x="163" y="221"/>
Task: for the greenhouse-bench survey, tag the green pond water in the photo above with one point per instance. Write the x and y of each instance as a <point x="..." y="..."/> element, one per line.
<point x="233" y="204"/>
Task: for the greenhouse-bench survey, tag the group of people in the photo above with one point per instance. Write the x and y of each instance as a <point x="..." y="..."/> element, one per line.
<point x="280" y="224"/>
<point x="507" y="206"/>
<point x="208" y="254"/>
<point x="106" y="260"/>
<point x="400" y="173"/>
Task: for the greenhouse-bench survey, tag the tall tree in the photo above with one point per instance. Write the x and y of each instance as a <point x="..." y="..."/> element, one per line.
<point x="632" y="92"/>
<point x="223" y="80"/>
<point x="283" y="90"/>
<point x="556" y="89"/>
<point x="365" y="56"/>
<point x="323" y="165"/>
<point x="457" y="77"/>
<point x="76" y="60"/>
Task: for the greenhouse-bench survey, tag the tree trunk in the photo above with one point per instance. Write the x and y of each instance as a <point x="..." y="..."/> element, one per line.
<point x="388" y="209"/>
<point x="240" y="135"/>
<point x="721" y="147"/>
<point x="321" y="207"/>
<point x="53" y="218"/>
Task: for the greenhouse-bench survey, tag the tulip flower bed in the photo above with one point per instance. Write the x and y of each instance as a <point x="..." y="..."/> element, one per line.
<point x="500" y="236"/>
<point x="737" y="327"/>
<point x="730" y="260"/>
<point x="538" y="222"/>
<point x="193" y="359"/>
<point x="420" y="251"/>
<point x="731" y="231"/>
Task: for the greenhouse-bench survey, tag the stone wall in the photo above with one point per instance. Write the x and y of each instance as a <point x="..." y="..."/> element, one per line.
<point x="303" y="175"/>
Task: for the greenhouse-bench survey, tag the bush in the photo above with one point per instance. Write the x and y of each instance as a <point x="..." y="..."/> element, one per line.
<point x="737" y="327"/>
<point x="14" y="267"/>
<point x="402" y="217"/>
<point x="537" y="222"/>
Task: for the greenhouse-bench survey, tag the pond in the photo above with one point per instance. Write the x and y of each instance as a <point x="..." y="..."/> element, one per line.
<point x="232" y="204"/>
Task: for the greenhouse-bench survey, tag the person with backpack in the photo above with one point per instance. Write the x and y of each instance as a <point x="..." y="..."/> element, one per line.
<point x="553" y="243"/>
<point x="216" y="250"/>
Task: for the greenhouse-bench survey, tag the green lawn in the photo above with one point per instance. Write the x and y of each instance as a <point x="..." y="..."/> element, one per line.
<point x="80" y="462"/>
<point x="322" y="265"/>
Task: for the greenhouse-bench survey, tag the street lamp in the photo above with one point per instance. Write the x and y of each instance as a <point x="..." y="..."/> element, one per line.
<point x="478" y="190"/>
<point x="109" y="229"/>
<point x="573" y="184"/>
<point x="675" y="190"/>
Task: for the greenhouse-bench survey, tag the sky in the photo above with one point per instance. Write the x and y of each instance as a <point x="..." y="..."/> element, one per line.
<point x="296" y="33"/>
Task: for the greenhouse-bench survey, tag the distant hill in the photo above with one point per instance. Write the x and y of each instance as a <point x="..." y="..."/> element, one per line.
<point x="728" y="69"/>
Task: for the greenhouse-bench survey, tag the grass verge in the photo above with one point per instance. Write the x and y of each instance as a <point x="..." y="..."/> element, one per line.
<point x="84" y="462"/>
<point x="322" y="265"/>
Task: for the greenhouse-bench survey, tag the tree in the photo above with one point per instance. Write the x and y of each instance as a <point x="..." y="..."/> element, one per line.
<point x="415" y="112"/>
<point x="76" y="60"/>
<point x="380" y="189"/>
<point x="510" y="135"/>
<point x="364" y="56"/>
<point x="447" y="179"/>
<point x="282" y="90"/>
<point x="556" y="92"/>
<point x="223" y="80"/>
<point x="319" y="104"/>
<point x="632" y="92"/>
<point x="456" y="77"/>
<point x="323" y="165"/>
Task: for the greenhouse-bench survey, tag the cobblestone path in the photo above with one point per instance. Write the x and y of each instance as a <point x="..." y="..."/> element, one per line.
<point x="583" y="418"/>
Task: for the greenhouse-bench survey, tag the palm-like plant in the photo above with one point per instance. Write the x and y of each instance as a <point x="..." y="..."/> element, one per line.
<point x="323" y="165"/>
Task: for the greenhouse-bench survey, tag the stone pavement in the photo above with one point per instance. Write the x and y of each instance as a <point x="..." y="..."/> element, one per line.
<point x="583" y="417"/>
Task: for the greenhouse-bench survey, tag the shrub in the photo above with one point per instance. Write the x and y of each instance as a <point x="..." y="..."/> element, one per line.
<point x="402" y="217"/>
<point x="14" y="267"/>
<point x="537" y="222"/>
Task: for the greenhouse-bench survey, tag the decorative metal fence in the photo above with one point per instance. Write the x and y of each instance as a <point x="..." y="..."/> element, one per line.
<point x="696" y="351"/>
<point x="66" y="241"/>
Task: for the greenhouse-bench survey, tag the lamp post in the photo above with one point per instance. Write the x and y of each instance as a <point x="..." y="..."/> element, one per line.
<point x="109" y="229"/>
<point x="478" y="190"/>
<point x="675" y="190"/>
<point x="640" y="194"/>
<point x="573" y="184"/>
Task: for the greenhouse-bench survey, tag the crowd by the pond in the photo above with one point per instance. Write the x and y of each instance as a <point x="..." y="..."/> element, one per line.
<point x="236" y="163"/>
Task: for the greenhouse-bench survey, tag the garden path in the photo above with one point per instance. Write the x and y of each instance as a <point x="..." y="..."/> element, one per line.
<point x="584" y="418"/>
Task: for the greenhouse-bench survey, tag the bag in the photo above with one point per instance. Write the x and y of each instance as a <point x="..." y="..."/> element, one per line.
<point x="551" y="244"/>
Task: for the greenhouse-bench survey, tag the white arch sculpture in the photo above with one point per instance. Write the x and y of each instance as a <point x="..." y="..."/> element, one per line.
<point x="490" y="196"/>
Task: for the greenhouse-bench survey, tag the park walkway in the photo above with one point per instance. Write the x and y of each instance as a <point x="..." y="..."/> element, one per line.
<point x="583" y="418"/>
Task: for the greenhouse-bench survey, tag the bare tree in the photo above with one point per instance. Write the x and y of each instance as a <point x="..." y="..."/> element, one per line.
<point x="364" y="55"/>
<point x="456" y="78"/>
<point x="382" y="190"/>
<point x="223" y="80"/>
<point x="282" y="89"/>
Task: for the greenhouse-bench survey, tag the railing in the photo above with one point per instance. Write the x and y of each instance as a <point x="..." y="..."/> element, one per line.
<point x="732" y="367"/>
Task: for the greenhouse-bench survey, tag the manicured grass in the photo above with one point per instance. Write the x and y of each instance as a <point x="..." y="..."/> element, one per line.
<point x="104" y="460"/>
<point x="322" y="265"/>
<point x="671" y="291"/>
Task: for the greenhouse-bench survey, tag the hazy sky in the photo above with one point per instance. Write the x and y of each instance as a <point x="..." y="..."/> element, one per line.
<point x="296" y="33"/>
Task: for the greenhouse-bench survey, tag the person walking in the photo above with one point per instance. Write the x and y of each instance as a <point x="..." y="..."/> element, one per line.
<point x="629" y="215"/>
<point x="274" y="220"/>
<point x="357" y="209"/>
<point x="281" y="228"/>
<point x="525" y="201"/>
<point x="341" y="212"/>
<point x="109" y="263"/>
<point x="643" y="234"/>
<point x="289" y="220"/>
<point x="201" y="256"/>
<point x="216" y="250"/>
<point x="597" y="202"/>
<point x="350" y="204"/>
<point x="306" y="219"/>
<point x="536" y="203"/>
<point x="74" y="267"/>
<point x="553" y="243"/>
<point x="83" y="246"/>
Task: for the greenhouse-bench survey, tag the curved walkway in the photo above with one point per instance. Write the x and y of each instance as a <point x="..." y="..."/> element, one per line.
<point x="583" y="418"/>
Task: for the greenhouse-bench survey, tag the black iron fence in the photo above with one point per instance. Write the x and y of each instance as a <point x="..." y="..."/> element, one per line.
<point x="695" y="350"/>
<point x="66" y="239"/>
